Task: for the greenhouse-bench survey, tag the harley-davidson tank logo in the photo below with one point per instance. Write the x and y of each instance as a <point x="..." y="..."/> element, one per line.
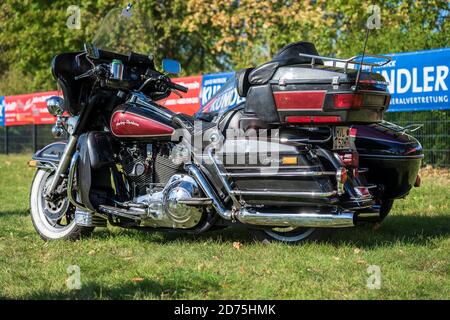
<point x="128" y="124"/>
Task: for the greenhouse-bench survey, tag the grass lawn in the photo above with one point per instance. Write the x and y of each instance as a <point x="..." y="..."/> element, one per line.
<point x="411" y="248"/>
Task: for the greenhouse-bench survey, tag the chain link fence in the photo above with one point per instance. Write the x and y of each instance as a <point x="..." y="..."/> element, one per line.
<point x="434" y="135"/>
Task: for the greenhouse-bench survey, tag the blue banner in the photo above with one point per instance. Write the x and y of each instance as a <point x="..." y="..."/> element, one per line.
<point x="211" y="83"/>
<point x="225" y="100"/>
<point x="418" y="80"/>
<point x="2" y="112"/>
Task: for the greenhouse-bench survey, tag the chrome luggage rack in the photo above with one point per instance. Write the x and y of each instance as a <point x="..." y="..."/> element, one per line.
<point x="234" y="193"/>
<point x="352" y="60"/>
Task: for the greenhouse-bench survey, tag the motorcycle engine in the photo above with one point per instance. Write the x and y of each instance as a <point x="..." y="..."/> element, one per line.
<point x="159" y="184"/>
<point x="136" y="162"/>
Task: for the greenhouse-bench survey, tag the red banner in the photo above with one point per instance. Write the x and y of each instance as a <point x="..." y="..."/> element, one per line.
<point x="31" y="108"/>
<point x="28" y="109"/>
<point x="190" y="101"/>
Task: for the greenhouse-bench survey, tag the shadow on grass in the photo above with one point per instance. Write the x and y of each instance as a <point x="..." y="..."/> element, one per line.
<point x="395" y="229"/>
<point x="172" y="288"/>
<point x="403" y="229"/>
<point x="8" y="213"/>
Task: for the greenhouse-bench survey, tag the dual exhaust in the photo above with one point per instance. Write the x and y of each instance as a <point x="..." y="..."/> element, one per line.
<point x="273" y="219"/>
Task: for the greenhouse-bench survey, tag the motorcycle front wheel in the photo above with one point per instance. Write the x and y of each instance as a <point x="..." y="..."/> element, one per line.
<point x="53" y="220"/>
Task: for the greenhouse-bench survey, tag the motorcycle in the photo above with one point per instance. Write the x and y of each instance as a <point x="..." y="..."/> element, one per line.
<point x="304" y="150"/>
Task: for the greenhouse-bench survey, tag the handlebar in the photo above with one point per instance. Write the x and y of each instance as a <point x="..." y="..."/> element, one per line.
<point x="178" y="87"/>
<point x="159" y="81"/>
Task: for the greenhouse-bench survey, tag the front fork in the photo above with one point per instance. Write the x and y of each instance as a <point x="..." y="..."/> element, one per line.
<point x="63" y="165"/>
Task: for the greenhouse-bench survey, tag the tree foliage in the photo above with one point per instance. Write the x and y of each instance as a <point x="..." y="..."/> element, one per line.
<point x="216" y="35"/>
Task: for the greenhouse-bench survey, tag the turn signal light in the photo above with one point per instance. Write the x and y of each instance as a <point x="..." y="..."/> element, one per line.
<point x="32" y="163"/>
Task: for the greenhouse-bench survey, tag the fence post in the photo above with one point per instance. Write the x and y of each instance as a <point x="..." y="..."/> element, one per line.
<point x="6" y="141"/>
<point x="34" y="138"/>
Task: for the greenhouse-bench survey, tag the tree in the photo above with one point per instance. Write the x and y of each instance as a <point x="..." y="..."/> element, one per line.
<point x="216" y="35"/>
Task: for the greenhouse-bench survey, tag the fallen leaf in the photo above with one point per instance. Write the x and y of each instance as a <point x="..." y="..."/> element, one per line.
<point x="137" y="279"/>
<point x="215" y="257"/>
<point x="92" y="252"/>
<point x="360" y="261"/>
<point x="336" y="258"/>
<point x="237" y="245"/>
<point x="356" y="251"/>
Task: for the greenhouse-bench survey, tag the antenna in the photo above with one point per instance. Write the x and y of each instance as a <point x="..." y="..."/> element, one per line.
<point x="362" y="57"/>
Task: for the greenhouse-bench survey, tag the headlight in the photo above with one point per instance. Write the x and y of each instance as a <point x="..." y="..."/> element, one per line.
<point x="55" y="105"/>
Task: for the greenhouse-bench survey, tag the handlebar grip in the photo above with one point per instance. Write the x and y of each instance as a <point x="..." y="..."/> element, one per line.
<point x="178" y="87"/>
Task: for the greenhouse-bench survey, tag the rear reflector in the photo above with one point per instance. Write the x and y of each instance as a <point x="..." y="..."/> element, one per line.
<point x="343" y="176"/>
<point x="350" y="159"/>
<point x="299" y="100"/>
<point x="289" y="161"/>
<point x="418" y="181"/>
<point x="348" y="100"/>
<point x="313" y="119"/>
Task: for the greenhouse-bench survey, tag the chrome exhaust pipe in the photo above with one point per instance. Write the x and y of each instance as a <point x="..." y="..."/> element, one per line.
<point x="210" y="193"/>
<point x="310" y="220"/>
<point x="276" y="219"/>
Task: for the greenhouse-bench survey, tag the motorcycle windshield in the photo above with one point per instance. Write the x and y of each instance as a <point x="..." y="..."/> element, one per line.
<point x="124" y="31"/>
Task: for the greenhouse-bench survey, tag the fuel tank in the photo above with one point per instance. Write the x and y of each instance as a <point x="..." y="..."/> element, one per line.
<point x="137" y="122"/>
<point x="392" y="157"/>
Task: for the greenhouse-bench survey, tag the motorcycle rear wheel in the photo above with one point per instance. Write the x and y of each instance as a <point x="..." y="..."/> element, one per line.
<point x="53" y="220"/>
<point x="289" y="235"/>
<point x="386" y="206"/>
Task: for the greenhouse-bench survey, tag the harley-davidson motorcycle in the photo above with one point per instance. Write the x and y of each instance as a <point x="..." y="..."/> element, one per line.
<point x="306" y="150"/>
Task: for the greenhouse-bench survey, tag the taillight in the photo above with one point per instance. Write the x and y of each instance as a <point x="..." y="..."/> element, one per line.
<point x="313" y="119"/>
<point x="299" y="100"/>
<point x="348" y="100"/>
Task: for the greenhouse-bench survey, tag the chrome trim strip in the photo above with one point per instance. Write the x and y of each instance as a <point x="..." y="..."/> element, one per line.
<point x="279" y="174"/>
<point x="311" y="220"/>
<point x="419" y="156"/>
<point x="300" y="194"/>
<point x="280" y="168"/>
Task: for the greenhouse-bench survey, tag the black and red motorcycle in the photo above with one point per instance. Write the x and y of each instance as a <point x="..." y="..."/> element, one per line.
<point x="305" y="151"/>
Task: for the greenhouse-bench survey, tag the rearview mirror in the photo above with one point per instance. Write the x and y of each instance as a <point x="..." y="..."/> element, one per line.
<point x="171" y="66"/>
<point x="91" y="50"/>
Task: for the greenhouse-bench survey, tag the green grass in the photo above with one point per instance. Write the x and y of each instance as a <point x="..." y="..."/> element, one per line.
<point x="412" y="248"/>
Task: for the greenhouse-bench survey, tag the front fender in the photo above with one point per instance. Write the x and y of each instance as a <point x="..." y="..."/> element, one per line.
<point x="50" y="154"/>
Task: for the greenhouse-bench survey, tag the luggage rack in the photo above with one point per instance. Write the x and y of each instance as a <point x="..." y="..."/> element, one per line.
<point x="233" y="193"/>
<point x="352" y="60"/>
